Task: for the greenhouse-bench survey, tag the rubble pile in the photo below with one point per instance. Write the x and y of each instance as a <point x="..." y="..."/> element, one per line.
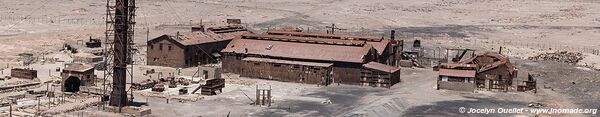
<point x="559" y="56"/>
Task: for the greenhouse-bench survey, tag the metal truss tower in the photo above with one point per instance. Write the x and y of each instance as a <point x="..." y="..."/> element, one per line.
<point x="120" y="22"/>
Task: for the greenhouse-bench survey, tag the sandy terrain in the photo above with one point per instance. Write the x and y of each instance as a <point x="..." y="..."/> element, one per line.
<point x="524" y="28"/>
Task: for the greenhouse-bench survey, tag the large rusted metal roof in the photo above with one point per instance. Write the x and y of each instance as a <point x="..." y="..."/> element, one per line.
<point x="227" y="29"/>
<point x="378" y="43"/>
<point x="215" y="34"/>
<point x="457" y="65"/>
<point x="255" y="59"/>
<point x="457" y="73"/>
<point x="321" y="35"/>
<point x="379" y="46"/>
<point x="310" y="51"/>
<point x="498" y="60"/>
<point x="381" y="67"/>
<point x="198" y="37"/>
<point x="304" y="39"/>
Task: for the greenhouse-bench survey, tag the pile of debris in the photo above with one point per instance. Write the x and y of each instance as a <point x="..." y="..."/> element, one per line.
<point x="559" y="56"/>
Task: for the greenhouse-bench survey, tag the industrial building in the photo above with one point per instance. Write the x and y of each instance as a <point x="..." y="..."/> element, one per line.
<point x="485" y="71"/>
<point x="307" y="57"/>
<point x="379" y="75"/>
<point x="454" y="76"/>
<point x="23" y="73"/>
<point x="494" y="72"/>
<point x="75" y="75"/>
<point x="188" y="49"/>
<point x="388" y="51"/>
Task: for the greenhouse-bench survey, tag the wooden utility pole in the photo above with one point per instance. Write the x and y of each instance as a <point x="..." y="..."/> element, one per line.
<point x="147" y="34"/>
<point x="333" y="28"/>
<point x="10" y="107"/>
<point x="38" y="106"/>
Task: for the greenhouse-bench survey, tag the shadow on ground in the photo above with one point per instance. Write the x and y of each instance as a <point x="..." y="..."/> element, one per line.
<point x="451" y="108"/>
<point x="343" y="98"/>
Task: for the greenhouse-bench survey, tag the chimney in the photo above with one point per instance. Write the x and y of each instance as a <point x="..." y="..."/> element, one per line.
<point x="500" y="52"/>
<point x="393" y="35"/>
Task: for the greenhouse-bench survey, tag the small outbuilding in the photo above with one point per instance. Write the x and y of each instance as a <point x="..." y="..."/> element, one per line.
<point x="23" y="73"/>
<point x="454" y="76"/>
<point x="379" y="75"/>
<point x="75" y="75"/>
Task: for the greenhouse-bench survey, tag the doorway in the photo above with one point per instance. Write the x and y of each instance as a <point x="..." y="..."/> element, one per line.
<point x="72" y="84"/>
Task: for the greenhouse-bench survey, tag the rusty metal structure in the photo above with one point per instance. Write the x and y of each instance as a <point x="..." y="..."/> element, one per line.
<point x="528" y="85"/>
<point x="188" y="49"/>
<point x="297" y="71"/>
<point x="494" y="71"/>
<point x="379" y="75"/>
<point x="333" y="28"/>
<point x="143" y="85"/>
<point x="23" y="73"/>
<point x="120" y="22"/>
<point x="455" y="76"/>
<point x="93" y="43"/>
<point x="486" y="71"/>
<point x="312" y="58"/>
<point x="388" y="51"/>
<point x="212" y="86"/>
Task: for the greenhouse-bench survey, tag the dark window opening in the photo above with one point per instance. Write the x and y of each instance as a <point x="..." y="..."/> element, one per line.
<point x="170" y="48"/>
<point x="151" y="46"/>
<point x="160" y="46"/>
<point x="315" y="70"/>
<point x="205" y="73"/>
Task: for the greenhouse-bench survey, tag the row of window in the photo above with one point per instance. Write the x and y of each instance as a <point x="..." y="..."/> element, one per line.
<point x="307" y="69"/>
<point x="160" y="47"/>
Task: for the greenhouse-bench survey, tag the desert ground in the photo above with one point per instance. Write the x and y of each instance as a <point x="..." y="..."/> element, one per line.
<point x="524" y="28"/>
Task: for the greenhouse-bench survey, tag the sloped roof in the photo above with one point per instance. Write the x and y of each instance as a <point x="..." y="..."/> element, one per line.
<point x="378" y="43"/>
<point x="226" y="29"/>
<point x="201" y="37"/>
<point x="379" y="46"/>
<point x="499" y="60"/>
<point x="198" y="37"/>
<point x="232" y="35"/>
<point x="456" y="65"/>
<point x="457" y="73"/>
<point x="287" y="62"/>
<point x="303" y="39"/>
<point x="78" y="67"/>
<point x="322" y="35"/>
<point x="381" y="67"/>
<point x="310" y="51"/>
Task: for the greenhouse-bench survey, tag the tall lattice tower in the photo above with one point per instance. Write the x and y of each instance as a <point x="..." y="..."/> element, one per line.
<point x="120" y="22"/>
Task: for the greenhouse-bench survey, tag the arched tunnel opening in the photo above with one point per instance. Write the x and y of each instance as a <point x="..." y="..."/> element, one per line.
<point x="72" y="84"/>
